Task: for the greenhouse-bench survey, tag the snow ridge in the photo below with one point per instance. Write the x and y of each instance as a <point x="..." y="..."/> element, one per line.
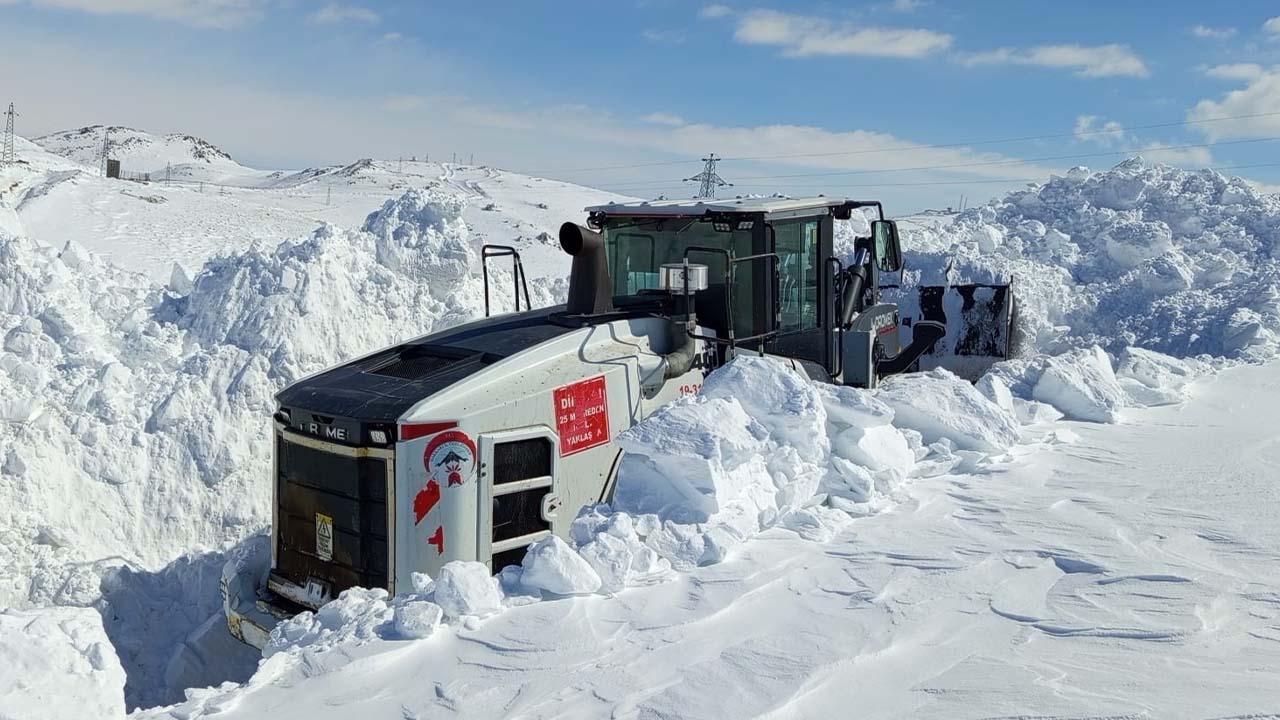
<point x="1147" y="255"/>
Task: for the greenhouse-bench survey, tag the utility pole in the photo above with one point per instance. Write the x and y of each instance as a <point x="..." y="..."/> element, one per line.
<point x="400" y="168"/>
<point x="6" y="152"/>
<point x="455" y="158"/>
<point x="328" y="195"/>
<point x="472" y="161"/>
<point x="708" y="178"/>
<point x="168" y="173"/>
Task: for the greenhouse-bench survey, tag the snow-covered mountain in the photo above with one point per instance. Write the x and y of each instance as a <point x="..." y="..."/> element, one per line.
<point x="935" y="547"/>
<point x="137" y="150"/>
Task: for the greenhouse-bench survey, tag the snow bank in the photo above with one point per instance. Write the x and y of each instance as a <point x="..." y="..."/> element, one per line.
<point x="58" y="663"/>
<point x="1086" y="384"/>
<point x="939" y="406"/>
<point x="1146" y="255"/>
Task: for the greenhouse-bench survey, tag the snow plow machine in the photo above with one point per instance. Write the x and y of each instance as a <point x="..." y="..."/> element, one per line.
<point x="475" y="442"/>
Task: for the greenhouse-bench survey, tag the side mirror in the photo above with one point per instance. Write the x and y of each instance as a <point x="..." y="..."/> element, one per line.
<point x="888" y="253"/>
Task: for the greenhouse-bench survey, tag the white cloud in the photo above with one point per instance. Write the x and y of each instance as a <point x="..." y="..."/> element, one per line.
<point x="335" y="14"/>
<point x="1112" y="135"/>
<point x="1107" y="133"/>
<point x="661" y="118"/>
<point x="1260" y="97"/>
<point x="1272" y="27"/>
<point x="1264" y="188"/>
<point x="907" y="6"/>
<point x="288" y="126"/>
<point x="200" y="13"/>
<point x="389" y="38"/>
<point x="1087" y="61"/>
<point x="1213" y="33"/>
<point x="672" y="36"/>
<point x="404" y="103"/>
<point x="1235" y="71"/>
<point x="712" y="12"/>
<point x="805" y="36"/>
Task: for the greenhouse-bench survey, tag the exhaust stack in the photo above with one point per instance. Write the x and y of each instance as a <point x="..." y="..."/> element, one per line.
<point x="590" y="289"/>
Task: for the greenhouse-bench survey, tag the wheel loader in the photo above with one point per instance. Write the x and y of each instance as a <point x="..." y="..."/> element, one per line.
<point x="474" y="442"/>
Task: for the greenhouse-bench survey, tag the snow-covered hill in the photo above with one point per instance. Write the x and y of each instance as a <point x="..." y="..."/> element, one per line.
<point x="895" y="544"/>
<point x="211" y="208"/>
<point x="137" y="150"/>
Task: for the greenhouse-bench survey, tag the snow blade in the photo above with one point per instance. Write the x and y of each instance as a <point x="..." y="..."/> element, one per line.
<point x="980" y="325"/>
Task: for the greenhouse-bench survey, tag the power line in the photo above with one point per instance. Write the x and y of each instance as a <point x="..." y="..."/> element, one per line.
<point x="996" y="181"/>
<point x="708" y="178"/>
<point x="987" y="163"/>
<point x="911" y="148"/>
<point x="1024" y="138"/>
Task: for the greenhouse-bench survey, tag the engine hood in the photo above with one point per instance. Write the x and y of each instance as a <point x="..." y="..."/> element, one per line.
<point x="382" y="386"/>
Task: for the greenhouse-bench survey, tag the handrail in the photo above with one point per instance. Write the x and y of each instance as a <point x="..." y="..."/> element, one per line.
<point x="731" y="265"/>
<point x="833" y="312"/>
<point x="518" y="280"/>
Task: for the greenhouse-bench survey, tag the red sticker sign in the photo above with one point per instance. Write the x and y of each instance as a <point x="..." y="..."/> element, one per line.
<point x="582" y="415"/>
<point x="426" y="499"/>
<point x="450" y="458"/>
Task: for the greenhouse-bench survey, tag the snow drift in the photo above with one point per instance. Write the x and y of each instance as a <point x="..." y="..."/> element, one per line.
<point x="1144" y="255"/>
<point x="58" y="663"/>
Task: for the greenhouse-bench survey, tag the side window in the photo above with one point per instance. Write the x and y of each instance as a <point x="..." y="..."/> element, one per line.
<point x="634" y="262"/>
<point x="797" y="248"/>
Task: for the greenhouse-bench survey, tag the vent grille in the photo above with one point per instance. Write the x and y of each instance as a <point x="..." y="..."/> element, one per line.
<point x="521" y="460"/>
<point x="414" y="366"/>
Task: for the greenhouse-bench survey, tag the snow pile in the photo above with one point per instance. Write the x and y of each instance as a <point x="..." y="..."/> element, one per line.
<point x="762" y="446"/>
<point x="58" y="663"/>
<point x="550" y="565"/>
<point x="1085" y="384"/>
<point x="304" y="304"/>
<point x="1145" y="255"/>
<point x="465" y="591"/>
<point x="939" y="405"/>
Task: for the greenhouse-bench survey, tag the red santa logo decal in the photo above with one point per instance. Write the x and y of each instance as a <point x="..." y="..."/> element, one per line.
<point x="450" y="458"/>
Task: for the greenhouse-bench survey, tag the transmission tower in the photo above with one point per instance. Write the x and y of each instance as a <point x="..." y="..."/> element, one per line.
<point x="106" y="147"/>
<point x="709" y="178"/>
<point x="6" y="153"/>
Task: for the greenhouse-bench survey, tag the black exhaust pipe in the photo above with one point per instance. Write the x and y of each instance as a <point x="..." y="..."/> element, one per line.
<point x="590" y="289"/>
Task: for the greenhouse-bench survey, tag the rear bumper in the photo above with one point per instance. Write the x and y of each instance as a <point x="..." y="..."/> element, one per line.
<point x="252" y="611"/>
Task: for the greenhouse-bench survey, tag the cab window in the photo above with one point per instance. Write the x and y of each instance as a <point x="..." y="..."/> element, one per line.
<point x="636" y="248"/>
<point x="796" y="244"/>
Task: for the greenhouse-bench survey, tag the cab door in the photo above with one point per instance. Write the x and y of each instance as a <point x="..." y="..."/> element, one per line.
<point x="518" y="493"/>
<point x="802" y="296"/>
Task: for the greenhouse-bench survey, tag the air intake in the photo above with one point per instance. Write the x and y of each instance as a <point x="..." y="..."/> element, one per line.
<point x="590" y="289"/>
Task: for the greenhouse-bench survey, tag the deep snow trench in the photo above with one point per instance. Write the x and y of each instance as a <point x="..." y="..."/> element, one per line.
<point x="135" y="417"/>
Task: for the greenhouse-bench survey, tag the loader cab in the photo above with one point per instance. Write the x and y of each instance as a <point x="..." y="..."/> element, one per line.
<point x="772" y="269"/>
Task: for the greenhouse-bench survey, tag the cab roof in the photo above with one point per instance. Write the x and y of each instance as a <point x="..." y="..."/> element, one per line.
<point x="714" y="206"/>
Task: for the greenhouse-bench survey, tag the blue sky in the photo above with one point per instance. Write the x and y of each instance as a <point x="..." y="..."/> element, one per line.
<point x="841" y="98"/>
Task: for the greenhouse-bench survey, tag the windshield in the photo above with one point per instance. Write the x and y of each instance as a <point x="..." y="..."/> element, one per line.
<point x="637" y="247"/>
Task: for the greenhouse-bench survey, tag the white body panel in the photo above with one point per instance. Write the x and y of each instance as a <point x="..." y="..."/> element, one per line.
<point x="515" y="398"/>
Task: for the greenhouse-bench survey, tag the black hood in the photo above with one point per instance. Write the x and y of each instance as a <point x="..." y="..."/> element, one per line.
<point x="382" y="387"/>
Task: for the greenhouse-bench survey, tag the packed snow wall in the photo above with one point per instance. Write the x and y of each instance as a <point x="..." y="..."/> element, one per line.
<point x="1184" y="263"/>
